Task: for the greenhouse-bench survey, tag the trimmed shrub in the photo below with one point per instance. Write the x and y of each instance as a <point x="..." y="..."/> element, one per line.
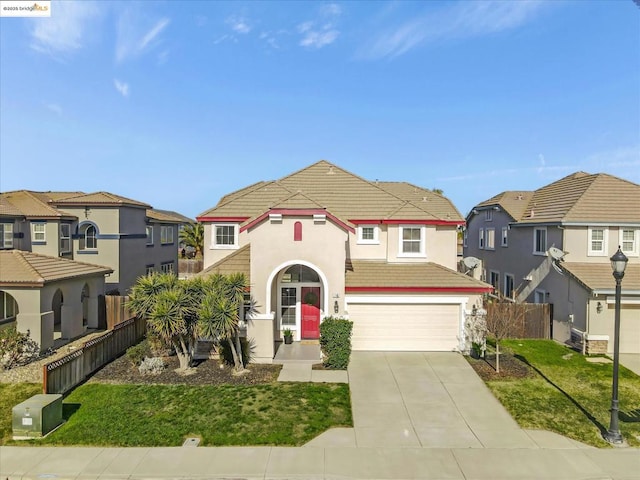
<point x="137" y="353"/>
<point x="335" y="341"/>
<point x="152" y="366"/>
<point x="16" y="348"/>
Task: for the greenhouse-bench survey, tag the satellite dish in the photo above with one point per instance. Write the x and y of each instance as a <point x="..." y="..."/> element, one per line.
<point x="557" y="268"/>
<point x="471" y="262"/>
<point x="555" y="253"/>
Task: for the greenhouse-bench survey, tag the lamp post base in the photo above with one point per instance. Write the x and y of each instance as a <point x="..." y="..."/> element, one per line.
<point x="614" y="438"/>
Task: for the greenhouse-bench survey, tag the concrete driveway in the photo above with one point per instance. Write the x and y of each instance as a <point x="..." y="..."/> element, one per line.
<point x="407" y="399"/>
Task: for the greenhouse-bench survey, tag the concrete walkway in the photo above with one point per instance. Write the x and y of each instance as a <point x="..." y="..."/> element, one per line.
<point x="416" y="416"/>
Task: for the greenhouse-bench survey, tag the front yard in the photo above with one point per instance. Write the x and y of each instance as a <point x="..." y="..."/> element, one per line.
<point x="563" y="392"/>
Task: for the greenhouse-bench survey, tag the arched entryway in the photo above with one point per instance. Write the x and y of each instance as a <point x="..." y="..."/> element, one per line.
<point x="299" y="297"/>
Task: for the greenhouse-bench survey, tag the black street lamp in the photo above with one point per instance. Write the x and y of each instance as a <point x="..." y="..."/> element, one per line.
<point x="618" y="264"/>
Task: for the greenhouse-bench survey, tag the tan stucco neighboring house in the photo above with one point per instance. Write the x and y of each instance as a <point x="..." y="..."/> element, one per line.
<point x="323" y="241"/>
<point x="587" y="216"/>
<point x="101" y="228"/>
<point x="49" y="297"/>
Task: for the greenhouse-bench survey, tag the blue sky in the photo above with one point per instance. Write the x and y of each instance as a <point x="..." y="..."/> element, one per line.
<point x="176" y="103"/>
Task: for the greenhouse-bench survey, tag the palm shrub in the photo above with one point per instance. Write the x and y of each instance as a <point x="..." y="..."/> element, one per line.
<point x="335" y="341"/>
<point x="192" y="235"/>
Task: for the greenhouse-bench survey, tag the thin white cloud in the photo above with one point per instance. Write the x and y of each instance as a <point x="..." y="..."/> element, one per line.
<point x="134" y="39"/>
<point x="64" y="32"/>
<point x="319" y="39"/>
<point x="239" y="25"/>
<point x="331" y="10"/>
<point x="461" y="20"/>
<point x="121" y="87"/>
<point x="55" y="108"/>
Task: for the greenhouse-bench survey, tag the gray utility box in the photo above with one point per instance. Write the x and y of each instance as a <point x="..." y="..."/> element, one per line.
<point x="37" y="416"/>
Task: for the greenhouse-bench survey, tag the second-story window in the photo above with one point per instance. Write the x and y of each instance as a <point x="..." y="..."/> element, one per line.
<point x="491" y="238"/>
<point x="412" y="241"/>
<point x="38" y="232"/>
<point x="88" y="237"/>
<point x="540" y="240"/>
<point x="629" y="241"/>
<point x="6" y="235"/>
<point x="597" y="241"/>
<point x="225" y="236"/>
<point x="481" y="238"/>
<point x="166" y="234"/>
<point x="505" y="236"/>
<point x="488" y="215"/>
<point x="149" y="232"/>
<point x="65" y="238"/>
<point x="368" y="234"/>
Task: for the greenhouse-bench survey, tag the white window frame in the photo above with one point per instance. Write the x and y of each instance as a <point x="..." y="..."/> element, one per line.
<point x="167" y="267"/>
<point x="6" y="240"/>
<point x="488" y="215"/>
<point x="66" y="237"/>
<point x="508" y="276"/>
<point x="83" y="240"/>
<point x="423" y="234"/>
<point x="149" y="269"/>
<point x="504" y="241"/>
<point x="369" y="241"/>
<point x="166" y="234"/>
<point x="601" y="252"/>
<point x="149" y="231"/>
<point x="481" y="239"/>
<point x="224" y="246"/>
<point x="535" y="250"/>
<point x="35" y="232"/>
<point x="636" y="234"/>
<point x="465" y="235"/>
<point x="490" y="238"/>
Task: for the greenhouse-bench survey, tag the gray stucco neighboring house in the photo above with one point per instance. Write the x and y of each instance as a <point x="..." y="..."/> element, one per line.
<point x="587" y="216"/>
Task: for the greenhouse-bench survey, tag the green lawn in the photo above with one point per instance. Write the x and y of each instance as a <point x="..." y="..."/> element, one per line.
<point x="11" y="394"/>
<point x="569" y="395"/>
<point x="163" y="415"/>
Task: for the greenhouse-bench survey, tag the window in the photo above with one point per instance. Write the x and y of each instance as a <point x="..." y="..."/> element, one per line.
<point x="65" y="238"/>
<point x="368" y="234"/>
<point x="88" y="237"/>
<point x="300" y="273"/>
<point x="508" y="285"/>
<point x="38" y="233"/>
<point x="288" y="306"/>
<point x="225" y="236"/>
<point x="481" y="238"/>
<point x="6" y="235"/>
<point x="412" y="241"/>
<point x="297" y="232"/>
<point x="597" y="241"/>
<point x="490" y="238"/>
<point x="166" y="267"/>
<point x="505" y="238"/>
<point x="488" y="215"/>
<point x="494" y="279"/>
<point x="629" y="241"/>
<point x="8" y="306"/>
<point x="166" y="234"/>
<point x="149" y="269"/>
<point x="465" y="234"/>
<point x="149" y="232"/>
<point x="540" y="240"/>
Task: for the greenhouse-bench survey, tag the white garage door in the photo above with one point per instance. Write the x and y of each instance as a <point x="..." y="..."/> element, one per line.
<point x="402" y="327"/>
<point x="629" y="329"/>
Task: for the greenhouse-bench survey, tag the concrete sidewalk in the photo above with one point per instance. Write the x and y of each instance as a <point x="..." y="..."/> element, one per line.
<point x="317" y="463"/>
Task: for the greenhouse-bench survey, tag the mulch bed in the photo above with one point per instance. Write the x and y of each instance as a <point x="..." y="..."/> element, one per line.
<point x="207" y="372"/>
<point x="510" y="367"/>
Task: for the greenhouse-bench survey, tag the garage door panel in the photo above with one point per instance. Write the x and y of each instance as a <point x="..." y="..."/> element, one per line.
<point x="402" y="327"/>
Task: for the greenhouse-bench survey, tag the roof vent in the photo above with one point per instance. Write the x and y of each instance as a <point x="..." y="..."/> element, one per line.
<point x="532" y="214"/>
<point x="331" y="172"/>
<point x="424" y="199"/>
<point x="519" y="197"/>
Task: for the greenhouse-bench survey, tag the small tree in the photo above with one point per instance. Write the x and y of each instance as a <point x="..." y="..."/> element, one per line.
<point x="169" y="306"/>
<point x="192" y="235"/>
<point x="504" y="320"/>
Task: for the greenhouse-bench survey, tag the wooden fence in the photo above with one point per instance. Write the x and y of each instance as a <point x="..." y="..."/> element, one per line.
<point x="116" y="310"/>
<point x="529" y="320"/>
<point x="65" y="373"/>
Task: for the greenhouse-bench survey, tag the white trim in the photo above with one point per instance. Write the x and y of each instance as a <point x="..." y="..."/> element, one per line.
<point x="605" y="235"/>
<point x="43" y="232"/>
<point x="504" y="239"/>
<point x="490" y="238"/>
<point x="282" y="266"/>
<point x="488" y="215"/>
<point x="624" y="300"/>
<point x="490" y="282"/>
<point x="319" y="218"/>
<point x="481" y="240"/>
<point x="275" y="217"/>
<point x="544" y="251"/>
<point x="591" y="336"/>
<point x="376" y="234"/>
<point x="423" y="240"/>
<point x="233" y="246"/>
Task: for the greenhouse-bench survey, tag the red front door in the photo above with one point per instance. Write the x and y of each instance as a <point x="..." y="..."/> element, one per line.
<point x="310" y="312"/>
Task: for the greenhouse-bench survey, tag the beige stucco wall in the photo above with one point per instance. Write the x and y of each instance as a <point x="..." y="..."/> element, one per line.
<point x="52" y="238"/>
<point x="440" y="246"/>
<point x="367" y="251"/>
<point x="603" y="323"/>
<point x="576" y="242"/>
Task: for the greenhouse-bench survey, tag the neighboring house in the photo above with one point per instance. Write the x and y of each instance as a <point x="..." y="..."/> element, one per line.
<point x="323" y="241"/>
<point x="49" y="297"/>
<point x="101" y="228"/>
<point x="586" y="216"/>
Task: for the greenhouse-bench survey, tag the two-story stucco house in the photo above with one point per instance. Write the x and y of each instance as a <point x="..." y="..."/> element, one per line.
<point x="587" y="217"/>
<point x="122" y="238"/>
<point x="323" y="241"/>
